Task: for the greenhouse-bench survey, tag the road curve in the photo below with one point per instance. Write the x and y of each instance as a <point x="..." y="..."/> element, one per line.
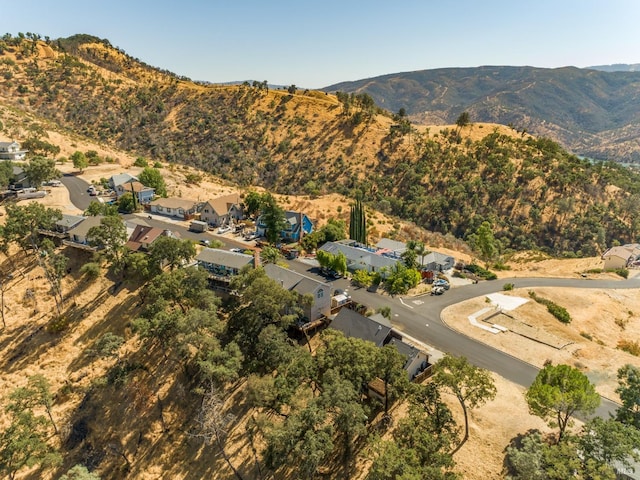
<point x="424" y="322"/>
<point x="77" y="191"/>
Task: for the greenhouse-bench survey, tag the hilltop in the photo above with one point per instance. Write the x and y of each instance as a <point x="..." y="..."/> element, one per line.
<point x="592" y="112"/>
<point x="447" y="179"/>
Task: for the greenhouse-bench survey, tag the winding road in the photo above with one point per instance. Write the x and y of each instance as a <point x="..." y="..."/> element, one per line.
<point x="423" y="320"/>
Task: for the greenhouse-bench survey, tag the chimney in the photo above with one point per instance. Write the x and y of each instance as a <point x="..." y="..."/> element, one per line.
<point x="256" y="258"/>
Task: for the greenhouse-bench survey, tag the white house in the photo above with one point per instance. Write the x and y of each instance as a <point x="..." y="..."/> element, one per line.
<point x="11" y="151"/>
<point x="174" y="207"/>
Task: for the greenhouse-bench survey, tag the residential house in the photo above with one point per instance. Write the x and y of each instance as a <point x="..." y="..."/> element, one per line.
<point x="320" y="307"/>
<point x="143" y="236"/>
<point x="174" y="207"/>
<point x="68" y="222"/>
<point x="20" y="179"/>
<point x="120" y="179"/>
<point x="436" y="261"/>
<point x="297" y="225"/>
<point x="377" y="329"/>
<point x="143" y="194"/>
<point x="391" y="248"/>
<point x="11" y="151"/>
<point x="78" y="234"/>
<point x="360" y="257"/>
<point x="222" y="210"/>
<point x="417" y="360"/>
<point x="622" y="256"/>
<point x="223" y="264"/>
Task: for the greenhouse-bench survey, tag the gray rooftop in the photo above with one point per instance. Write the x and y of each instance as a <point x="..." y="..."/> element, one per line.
<point x="393" y="245"/>
<point x="291" y="280"/>
<point x="215" y="256"/>
<point x="373" y="329"/>
<point x="70" y="221"/>
<point x="82" y="229"/>
<point x="359" y="255"/>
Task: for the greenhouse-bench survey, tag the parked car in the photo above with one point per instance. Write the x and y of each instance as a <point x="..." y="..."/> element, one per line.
<point x="222" y="230"/>
<point x="206" y="243"/>
<point x="441" y="283"/>
<point x="237" y="250"/>
<point x="437" y="290"/>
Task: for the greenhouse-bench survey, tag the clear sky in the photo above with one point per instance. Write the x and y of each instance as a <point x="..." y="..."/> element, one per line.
<point x="316" y="44"/>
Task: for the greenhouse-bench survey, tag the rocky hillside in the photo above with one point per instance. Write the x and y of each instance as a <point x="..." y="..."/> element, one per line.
<point x="450" y="180"/>
<point x="592" y="113"/>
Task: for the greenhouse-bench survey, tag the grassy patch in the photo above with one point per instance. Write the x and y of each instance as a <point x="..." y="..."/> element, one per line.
<point x="630" y="347"/>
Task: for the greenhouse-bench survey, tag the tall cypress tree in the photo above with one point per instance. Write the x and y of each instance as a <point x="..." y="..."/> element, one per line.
<point x="358" y="223"/>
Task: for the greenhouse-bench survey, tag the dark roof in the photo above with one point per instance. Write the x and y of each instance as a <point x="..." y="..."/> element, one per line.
<point x="406" y="350"/>
<point x="291" y="280"/>
<point x="373" y="329"/>
<point x="143" y="234"/>
<point x="225" y="258"/>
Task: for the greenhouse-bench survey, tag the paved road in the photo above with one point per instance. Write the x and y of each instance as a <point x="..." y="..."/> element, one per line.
<point x="77" y="190"/>
<point x="424" y="322"/>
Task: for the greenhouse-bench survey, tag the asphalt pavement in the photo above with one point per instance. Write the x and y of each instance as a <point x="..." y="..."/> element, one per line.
<point x="77" y="190"/>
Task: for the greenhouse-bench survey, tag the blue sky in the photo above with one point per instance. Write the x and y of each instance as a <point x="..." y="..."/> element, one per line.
<point x="316" y="44"/>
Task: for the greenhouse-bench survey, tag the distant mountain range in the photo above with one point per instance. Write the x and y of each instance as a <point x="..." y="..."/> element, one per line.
<point x="617" y="67"/>
<point x="592" y="112"/>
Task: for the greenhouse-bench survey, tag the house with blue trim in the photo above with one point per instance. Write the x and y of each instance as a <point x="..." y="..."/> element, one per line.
<point x="297" y="226"/>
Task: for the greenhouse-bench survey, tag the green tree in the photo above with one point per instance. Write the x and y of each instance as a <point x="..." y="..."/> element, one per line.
<point x="270" y="254"/>
<point x="110" y="236"/>
<point x="358" y="223"/>
<point x="629" y="391"/>
<point x="463" y="120"/>
<point x="23" y="443"/>
<point x="609" y="442"/>
<point x="264" y="303"/>
<point x="24" y="223"/>
<point x="362" y="278"/>
<point x="6" y="173"/>
<point x="472" y="386"/>
<point x="558" y="393"/>
<point x="252" y="203"/>
<point x="141" y="162"/>
<point x="40" y="169"/>
<point x="170" y="251"/>
<point x="96" y="208"/>
<point x="79" y="472"/>
<point x="273" y="217"/>
<point x="485" y="242"/>
<point x="79" y="160"/>
<point x="127" y="203"/>
<point x="151" y="177"/>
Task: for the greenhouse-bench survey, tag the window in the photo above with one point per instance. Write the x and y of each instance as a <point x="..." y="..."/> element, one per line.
<point x="320" y="293"/>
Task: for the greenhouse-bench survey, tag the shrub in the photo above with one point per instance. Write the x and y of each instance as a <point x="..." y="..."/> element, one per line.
<point x="554" y="309"/>
<point x="630" y="347"/>
<point x="623" y="272"/>
<point x="481" y="272"/>
<point x="140" y="162"/>
<point x="586" y="335"/>
<point x="91" y="270"/>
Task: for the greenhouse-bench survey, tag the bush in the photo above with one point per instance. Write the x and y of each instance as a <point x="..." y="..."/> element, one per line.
<point x="140" y="162"/>
<point x="623" y="272"/>
<point x="91" y="270"/>
<point x="586" y="335"/>
<point x="630" y="347"/>
<point x="481" y="272"/>
<point x="554" y="309"/>
<point x="507" y="286"/>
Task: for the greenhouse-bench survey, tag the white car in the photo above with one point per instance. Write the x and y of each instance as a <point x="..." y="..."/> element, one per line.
<point x="222" y="230"/>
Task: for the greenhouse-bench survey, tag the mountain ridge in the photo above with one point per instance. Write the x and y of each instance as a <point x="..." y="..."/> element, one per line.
<point x="592" y="113"/>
